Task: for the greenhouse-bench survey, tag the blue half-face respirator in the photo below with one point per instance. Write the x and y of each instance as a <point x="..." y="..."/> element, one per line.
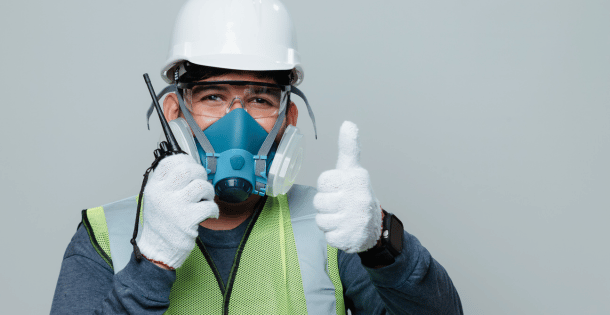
<point x="240" y="157"/>
<point x="236" y="138"/>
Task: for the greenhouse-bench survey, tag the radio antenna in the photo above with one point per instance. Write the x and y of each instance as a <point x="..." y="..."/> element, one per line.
<point x="169" y="135"/>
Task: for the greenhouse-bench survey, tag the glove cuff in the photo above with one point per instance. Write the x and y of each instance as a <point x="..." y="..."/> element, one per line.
<point x="159" y="263"/>
<point x="168" y="252"/>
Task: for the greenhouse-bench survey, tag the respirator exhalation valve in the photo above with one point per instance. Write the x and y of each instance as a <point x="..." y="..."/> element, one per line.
<point x="233" y="189"/>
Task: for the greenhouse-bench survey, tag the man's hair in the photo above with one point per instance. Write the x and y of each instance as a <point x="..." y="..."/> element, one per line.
<point x="197" y="73"/>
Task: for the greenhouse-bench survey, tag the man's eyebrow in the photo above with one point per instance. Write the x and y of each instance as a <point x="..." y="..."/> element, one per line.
<point x="265" y="90"/>
<point x="203" y="88"/>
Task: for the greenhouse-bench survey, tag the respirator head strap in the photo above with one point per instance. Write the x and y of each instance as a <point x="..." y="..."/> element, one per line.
<point x="260" y="162"/>
<point x="201" y="138"/>
<point x="149" y="112"/>
<point x="302" y="96"/>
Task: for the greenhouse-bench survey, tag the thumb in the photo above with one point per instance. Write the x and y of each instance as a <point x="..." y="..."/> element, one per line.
<point x="349" y="146"/>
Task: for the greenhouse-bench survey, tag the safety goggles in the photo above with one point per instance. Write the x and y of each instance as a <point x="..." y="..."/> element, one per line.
<point x="217" y="98"/>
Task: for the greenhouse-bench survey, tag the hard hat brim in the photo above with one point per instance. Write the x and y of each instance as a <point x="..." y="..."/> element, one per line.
<point x="233" y="62"/>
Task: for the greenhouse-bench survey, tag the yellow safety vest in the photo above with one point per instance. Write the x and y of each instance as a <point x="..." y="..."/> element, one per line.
<point x="282" y="265"/>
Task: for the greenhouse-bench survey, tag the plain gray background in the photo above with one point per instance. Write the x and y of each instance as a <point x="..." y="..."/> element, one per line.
<point x="485" y="126"/>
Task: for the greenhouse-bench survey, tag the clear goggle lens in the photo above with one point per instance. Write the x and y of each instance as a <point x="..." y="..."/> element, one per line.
<point x="216" y="99"/>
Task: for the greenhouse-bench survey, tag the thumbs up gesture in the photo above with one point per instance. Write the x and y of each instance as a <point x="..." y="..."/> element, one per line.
<point x="348" y="212"/>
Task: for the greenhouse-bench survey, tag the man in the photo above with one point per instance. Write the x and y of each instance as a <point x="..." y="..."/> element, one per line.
<point x="222" y="229"/>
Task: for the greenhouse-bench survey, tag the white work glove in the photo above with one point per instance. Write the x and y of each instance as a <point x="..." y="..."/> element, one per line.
<point x="348" y="212"/>
<point x="173" y="210"/>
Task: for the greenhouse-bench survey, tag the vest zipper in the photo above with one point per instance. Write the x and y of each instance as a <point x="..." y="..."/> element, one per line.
<point x="226" y="292"/>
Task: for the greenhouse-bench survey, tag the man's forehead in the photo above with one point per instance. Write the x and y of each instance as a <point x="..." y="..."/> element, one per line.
<point x="252" y="76"/>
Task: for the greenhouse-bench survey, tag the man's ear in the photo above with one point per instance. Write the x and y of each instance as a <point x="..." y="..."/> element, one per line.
<point x="171" y="108"/>
<point x="292" y="114"/>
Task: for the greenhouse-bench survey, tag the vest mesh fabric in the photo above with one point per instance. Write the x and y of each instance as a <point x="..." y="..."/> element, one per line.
<point x="195" y="290"/>
<point x="97" y="220"/>
<point x="333" y="272"/>
<point x="268" y="278"/>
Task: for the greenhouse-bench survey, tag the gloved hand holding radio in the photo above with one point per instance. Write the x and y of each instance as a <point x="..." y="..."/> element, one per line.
<point x="349" y="214"/>
<point x="173" y="209"/>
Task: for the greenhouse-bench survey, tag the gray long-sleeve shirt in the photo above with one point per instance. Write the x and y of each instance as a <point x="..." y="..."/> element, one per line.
<point x="414" y="284"/>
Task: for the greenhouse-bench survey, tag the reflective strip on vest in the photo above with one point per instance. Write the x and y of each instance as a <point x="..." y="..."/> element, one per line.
<point x="285" y="267"/>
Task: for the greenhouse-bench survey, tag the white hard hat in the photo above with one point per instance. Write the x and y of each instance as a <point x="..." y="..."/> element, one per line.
<point x="255" y="35"/>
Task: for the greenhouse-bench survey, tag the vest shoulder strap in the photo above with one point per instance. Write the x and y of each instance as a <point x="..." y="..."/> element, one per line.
<point x="94" y="222"/>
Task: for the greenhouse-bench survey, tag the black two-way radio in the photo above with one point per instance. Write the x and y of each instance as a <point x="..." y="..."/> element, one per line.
<point x="171" y="146"/>
<point x="166" y="148"/>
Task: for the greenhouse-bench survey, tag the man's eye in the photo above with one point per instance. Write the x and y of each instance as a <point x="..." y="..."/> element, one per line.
<point x="261" y="101"/>
<point x="211" y="98"/>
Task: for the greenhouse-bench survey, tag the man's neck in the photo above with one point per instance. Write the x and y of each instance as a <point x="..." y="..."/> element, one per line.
<point x="231" y="215"/>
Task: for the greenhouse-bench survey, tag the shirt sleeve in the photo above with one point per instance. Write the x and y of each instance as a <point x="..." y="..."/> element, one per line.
<point x="88" y="285"/>
<point x="414" y="284"/>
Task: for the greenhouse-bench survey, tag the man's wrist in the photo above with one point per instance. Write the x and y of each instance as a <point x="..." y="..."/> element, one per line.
<point x="388" y="246"/>
<point x="376" y="257"/>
